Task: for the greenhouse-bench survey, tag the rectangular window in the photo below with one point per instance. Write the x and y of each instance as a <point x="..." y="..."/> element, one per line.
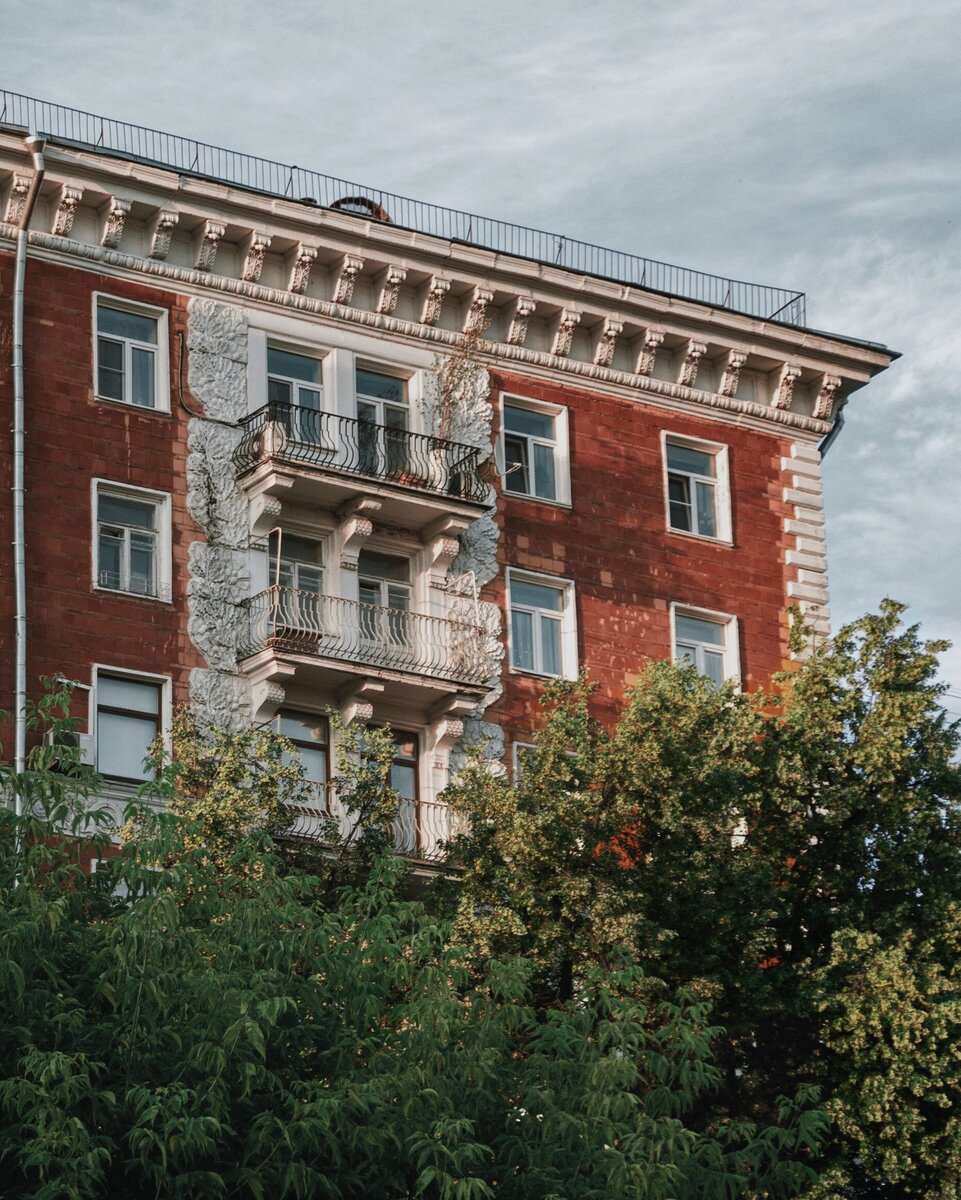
<point x="310" y="737"/>
<point x="384" y="589"/>
<point x="132" y="551"/>
<point x="295" y="393"/>
<point x="535" y="450"/>
<point x="697" y="489"/>
<point x="129" y="362"/>
<point x="128" y="722"/>
<point x="403" y="779"/>
<point x="299" y="576"/>
<point x="707" y="642"/>
<point x="542" y="629"/>
<point x="384" y="417"/>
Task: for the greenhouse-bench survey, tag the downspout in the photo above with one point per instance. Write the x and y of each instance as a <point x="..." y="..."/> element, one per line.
<point x="828" y="440"/>
<point x="35" y="145"/>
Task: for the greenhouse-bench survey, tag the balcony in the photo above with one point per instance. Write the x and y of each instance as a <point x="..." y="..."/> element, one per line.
<point x="421" y="829"/>
<point x="330" y="642"/>
<point x="321" y="459"/>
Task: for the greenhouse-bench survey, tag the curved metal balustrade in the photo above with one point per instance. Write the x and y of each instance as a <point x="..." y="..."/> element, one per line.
<point x="344" y="444"/>
<point x="421" y="829"/>
<point x="303" y="622"/>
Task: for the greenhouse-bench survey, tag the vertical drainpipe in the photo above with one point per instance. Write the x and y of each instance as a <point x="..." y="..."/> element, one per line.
<point x="35" y="145"/>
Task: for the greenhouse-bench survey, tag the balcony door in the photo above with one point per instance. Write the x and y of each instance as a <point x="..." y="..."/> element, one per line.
<point x="384" y="420"/>
<point x="295" y="394"/>
<point x="384" y="581"/>
<point x="300" y="578"/>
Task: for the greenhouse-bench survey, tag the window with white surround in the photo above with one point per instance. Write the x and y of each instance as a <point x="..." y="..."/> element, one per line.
<point x="384" y="415"/>
<point x="129" y="718"/>
<point x="523" y="757"/>
<point x="385" y="591"/>
<point x="299" y="575"/>
<point x="534" y="437"/>
<point x="698" y="496"/>
<point x="311" y="738"/>
<point x="131" y="353"/>
<point x="543" y="634"/>
<point x="707" y="641"/>
<point x="295" y="386"/>
<point x="132" y="540"/>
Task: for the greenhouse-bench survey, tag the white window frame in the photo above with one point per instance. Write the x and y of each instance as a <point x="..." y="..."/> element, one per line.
<point x="164" y="717"/>
<point x="305" y="433"/>
<point x="568" y="623"/>
<point x="721" y="482"/>
<point x="560" y="443"/>
<point x="161" y="502"/>
<point x="729" y="623"/>
<point x="161" y="352"/>
<point x="517" y="749"/>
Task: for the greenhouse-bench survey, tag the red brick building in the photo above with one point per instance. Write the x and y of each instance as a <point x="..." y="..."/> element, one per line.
<point x="264" y="464"/>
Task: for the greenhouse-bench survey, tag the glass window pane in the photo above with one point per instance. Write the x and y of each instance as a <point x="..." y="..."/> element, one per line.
<point x="142" y="564"/>
<point x="536" y="595"/>
<point x="706" y="519"/>
<point x="395" y="418"/>
<point x="303" y="727"/>
<point x="403" y="779"/>
<point x="683" y="458"/>
<point x="308" y="398"/>
<point x="383" y="566"/>
<point x="143" y="378"/>
<point x="309" y="579"/>
<point x="382" y="387"/>
<point x="695" y="629"/>
<point x="120" y="323"/>
<point x="278" y="392"/>
<point x="123" y="743"/>
<point x="314" y="761"/>
<point x="110" y="558"/>
<point x="679" y="497"/>
<point x="686" y="654"/>
<point x="515" y="466"/>
<point x="298" y="549"/>
<point x="544" y="485"/>
<point x="714" y="667"/>
<point x="525" y="420"/>
<point x="294" y="366"/>
<point x="123" y="510"/>
<point x="128" y="693"/>
<point x="550" y="646"/>
<point x="109" y="369"/>
<point x="522" y="640"/>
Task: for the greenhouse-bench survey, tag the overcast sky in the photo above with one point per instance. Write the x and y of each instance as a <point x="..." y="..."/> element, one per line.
<point x="802" y="143"/>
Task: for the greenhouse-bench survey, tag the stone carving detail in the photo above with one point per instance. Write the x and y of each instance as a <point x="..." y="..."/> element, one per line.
<point x="300" y="271"/>
<point x="692" y="358"/>
<point x="564" y="337"/>
<point x="391" y="289"/>
<point x="114" y="218"/>
<point x="653" y="339"/>
<point x="344" y="288"/>
<point x="731" y="375"/>
<point x="70" y="197"/>
<point x="266" y="697"/>
<point x="210" y="237"/>
<point x="827" y="395"/>
<point x="604" y="354"/>
<point x="477" y="313"/>
<point x="264" y="514"/>
<point x="257" y="248"/>
<point x="161" y="233"/>
<point x="435" y="300"/>
<point x="785" y="388"/>
<point x="220" y="698"/>
<point x="17" y="199"/>
<point x="517" y="334"/>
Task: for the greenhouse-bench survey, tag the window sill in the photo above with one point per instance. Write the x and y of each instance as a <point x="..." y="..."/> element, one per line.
<point x="701" y="537"/>
<point x="529" y="674"/>
<point x="535" y="499"/>
<point x="157" y="411"/>
<point x="160" y="599"/>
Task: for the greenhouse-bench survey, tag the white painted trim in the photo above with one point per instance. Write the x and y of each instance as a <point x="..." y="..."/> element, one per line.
<point x="732" y="653"/>
<point x="569" y="664"/>
<point x="162" y="501"/>
<point x="161" y="357"/>
<point x="562" y="458"/>
<point x="722" y="490"/>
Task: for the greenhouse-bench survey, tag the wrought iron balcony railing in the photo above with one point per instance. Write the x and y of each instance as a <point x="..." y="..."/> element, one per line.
<point x="354" y="447"/>
<point x="303" y="622"/>
<point x="421" y="829"/>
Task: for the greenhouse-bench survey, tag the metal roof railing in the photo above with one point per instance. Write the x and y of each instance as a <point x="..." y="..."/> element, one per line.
<point x="71" y="126"/>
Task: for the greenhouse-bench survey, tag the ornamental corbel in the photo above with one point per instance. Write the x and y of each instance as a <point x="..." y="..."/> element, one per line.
<point x="66" y="210"/>
<point x="264" y="514"/>
<point x="731" y="375"/>
<point x="607" y="342"/>
<point x="523" y="307"/>
<point x="390" y="289"/>
<point x="356" y="701"/>
<point x="113" y="220"/>
<point x="445" y="734"/>
<point x="344" y="288"/>
<point x="693" y="354"/>
<point x="564" y="337"/>
<point x="210" y="237"/>
<point x="355" y="527"/>
<point x="476" y="321"/>
<point x="784" y="394"/>
<point x="161" y="231"/>
<point x="17" y="200"/>
<point x="265" y="699"/>
<point x="441" y="552"/>
<point x="826" y="397"/>
<point x="434" y="301"/>
<point x="300" y="269"/>
<point x="653" y="340"/>
<point x="255" y="249"/>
